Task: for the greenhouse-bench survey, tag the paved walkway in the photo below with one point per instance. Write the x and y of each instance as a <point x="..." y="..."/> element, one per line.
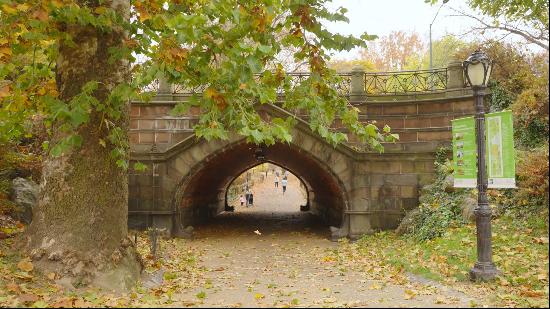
<point x="274" y="255"/>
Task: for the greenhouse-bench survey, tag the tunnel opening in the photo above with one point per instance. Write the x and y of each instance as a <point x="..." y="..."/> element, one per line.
<point x="205" y="194"/>
<point x="270" y="186"/>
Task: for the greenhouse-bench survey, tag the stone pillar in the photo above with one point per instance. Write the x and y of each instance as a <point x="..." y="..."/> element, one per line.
<point x="455" y="80"/>
<point x="455" y="75"/>
<point x="357" y="83"/>
<point x="165" y="90"/>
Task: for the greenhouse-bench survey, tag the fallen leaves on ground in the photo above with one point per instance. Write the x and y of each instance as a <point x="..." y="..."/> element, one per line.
<point x="520" y="253"/>
<point x="25" y="265"/>
<point x="21" y="286"/>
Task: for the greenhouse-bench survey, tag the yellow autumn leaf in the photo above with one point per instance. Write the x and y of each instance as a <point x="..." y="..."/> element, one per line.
<point x="327" y="259"/>
<point x="210" y="93"/>
<point x="56" y="3"/>
<point x="440" y="300"/>
<point x="8" y="9"/>
<point x="144" y="15"/>
<point x="375" y="287"/>
<point x="25" y="265"/>
<point x="5" y="51"/>
<point x="409" y="294"/>
<point x="259" y="296"/>
<point x="22" y="7"/>
<point x="100" y="10"/>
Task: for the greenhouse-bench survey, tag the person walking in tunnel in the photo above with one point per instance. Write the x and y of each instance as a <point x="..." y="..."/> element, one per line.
<point x="242" y="200"/>
<point x="251" y="199"/>
<point x="276" y="181"/>
<point x="284" y="182"/>
<point x="247" y="197"/>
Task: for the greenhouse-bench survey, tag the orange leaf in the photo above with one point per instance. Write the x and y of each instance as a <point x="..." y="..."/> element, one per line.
<point x="25" y="265"/>
<point x="220" y="102"/>
<point x="5" y="51"/>
<point x="529" y="293"/>
<point x="40" y="15"/>
<point x="4" y="91"/>
<point x="28" y="298"/>
<point x="13" y="287"/>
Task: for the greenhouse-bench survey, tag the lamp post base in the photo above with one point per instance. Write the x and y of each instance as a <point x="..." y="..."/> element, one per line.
<point x="483" y="271"/>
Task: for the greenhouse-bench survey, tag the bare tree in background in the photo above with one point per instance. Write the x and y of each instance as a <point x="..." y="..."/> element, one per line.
<point x="393" y="52"/>
<point x="531" y="32"/>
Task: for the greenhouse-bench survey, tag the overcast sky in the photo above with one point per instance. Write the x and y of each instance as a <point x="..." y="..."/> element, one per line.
<point x="381" y="17"/>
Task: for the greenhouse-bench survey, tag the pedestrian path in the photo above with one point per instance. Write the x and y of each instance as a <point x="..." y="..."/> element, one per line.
<point x="273" y="255"/>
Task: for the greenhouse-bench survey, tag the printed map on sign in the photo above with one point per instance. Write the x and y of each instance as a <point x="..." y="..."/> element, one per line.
<point x="501" y="164"/>
<point x="494" y="134"/>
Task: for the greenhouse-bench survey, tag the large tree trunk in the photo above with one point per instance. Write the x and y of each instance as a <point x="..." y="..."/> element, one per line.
<point x="79" y="227"/>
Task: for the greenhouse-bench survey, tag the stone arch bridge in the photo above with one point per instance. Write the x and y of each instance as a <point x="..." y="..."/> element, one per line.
<point x="356" y="192"/>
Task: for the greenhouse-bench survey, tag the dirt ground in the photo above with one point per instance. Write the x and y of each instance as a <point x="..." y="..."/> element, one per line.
<point x="272" y="254"/>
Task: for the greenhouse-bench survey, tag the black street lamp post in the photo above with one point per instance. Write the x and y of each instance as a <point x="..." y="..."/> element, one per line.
<point x="477" y="69"/>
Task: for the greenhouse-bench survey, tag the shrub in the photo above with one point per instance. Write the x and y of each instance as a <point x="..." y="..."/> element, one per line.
<point x="439" y="208"/>
<point x="533" y="176"/>
<point x="531" y="195"/>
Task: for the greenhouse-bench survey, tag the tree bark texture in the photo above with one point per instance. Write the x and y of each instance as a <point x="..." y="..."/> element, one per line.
<point x="79" y="227"/>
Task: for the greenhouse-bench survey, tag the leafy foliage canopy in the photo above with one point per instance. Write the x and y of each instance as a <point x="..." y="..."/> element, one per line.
<point x="228" y="48"/>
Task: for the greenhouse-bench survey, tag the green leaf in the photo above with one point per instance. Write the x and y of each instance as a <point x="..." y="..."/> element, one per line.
<point x="140" y="167"/>
<point x="265" y="49"/>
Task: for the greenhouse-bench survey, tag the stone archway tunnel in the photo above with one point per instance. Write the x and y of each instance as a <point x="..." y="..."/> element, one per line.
<point x="202" y="193"/>
<point x="357" y="192"/>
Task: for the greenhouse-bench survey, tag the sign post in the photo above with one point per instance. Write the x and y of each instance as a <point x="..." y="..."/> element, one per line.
<point x="500" y="156"/>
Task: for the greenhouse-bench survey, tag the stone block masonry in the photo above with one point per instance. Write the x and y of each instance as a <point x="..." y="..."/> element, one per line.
<point x="357" y="192"/>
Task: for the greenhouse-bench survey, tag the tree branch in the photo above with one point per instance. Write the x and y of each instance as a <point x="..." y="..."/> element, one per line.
<point x="540" y="40"/>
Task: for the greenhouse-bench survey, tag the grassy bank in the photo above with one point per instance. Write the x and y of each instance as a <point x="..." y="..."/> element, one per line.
<point x="520" y="249"/>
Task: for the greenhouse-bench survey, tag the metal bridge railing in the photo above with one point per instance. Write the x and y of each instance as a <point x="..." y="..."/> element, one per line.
<point x="381" y="83"/>
<point x="371" y="83"/>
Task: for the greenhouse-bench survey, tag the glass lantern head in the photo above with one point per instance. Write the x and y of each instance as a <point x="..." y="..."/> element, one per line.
<point x="477" y="69"/>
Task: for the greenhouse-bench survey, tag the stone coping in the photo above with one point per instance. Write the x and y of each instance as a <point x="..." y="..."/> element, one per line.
<point x="421" y="97"/>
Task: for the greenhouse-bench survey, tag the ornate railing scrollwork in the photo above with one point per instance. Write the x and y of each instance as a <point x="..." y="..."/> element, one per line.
<point x="375" y="83"/>
<point x="154" y="86"/>
<point x="384" y="83"/>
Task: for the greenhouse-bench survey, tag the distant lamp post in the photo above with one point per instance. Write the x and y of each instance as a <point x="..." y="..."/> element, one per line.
<point x="444" y="1"/>
<point x="477" y="69"/>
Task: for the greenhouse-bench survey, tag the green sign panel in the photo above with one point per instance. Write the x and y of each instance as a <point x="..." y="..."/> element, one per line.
<point x="464" y="152"/>
<point x="501" y="168"/>
<point x="500" y="154"/>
